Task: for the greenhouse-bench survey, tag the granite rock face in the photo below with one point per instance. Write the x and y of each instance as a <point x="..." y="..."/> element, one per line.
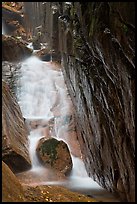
<point x="14" y="133"/>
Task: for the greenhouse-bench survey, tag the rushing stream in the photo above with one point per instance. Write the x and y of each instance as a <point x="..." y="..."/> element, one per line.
<point x="48" y="112"/>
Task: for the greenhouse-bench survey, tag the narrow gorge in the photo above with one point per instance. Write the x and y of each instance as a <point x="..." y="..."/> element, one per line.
<point x="68" y="101"/>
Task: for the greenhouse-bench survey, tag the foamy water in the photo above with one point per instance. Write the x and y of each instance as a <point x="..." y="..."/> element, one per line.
<point x="42" y="96"/>
<point x="3" y="29"/>
<point x="33" y="140"/>
<point x="46" y="106"/>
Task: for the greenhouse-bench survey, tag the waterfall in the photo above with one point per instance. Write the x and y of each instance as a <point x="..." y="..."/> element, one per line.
<point x="42" y="97"/>
<point x="44" y="100"/>
<point x="3" y="29"/>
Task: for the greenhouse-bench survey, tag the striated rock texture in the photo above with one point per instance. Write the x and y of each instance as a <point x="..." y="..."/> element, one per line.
<point x="14" y="133"/>
<point x="14" y="50"/>
<point x="55" y="154"/>
<point x="97" y="45"/>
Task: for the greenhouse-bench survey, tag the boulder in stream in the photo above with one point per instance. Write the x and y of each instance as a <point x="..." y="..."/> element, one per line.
<point x="14" y="133"/>
<point x="54" y="153"/>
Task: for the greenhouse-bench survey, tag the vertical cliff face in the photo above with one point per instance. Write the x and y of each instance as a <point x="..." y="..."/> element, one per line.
<point x="97" y="46"/>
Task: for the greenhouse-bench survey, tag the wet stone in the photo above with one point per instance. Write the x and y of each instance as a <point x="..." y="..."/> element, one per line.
<point x="14" y="133"/>
<point x="55" y="154"/>
<point x="14" y="50"/>
<point x="10" y="74"/>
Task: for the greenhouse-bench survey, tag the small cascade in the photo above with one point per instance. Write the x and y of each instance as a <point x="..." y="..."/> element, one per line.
<point x="34" y="138"/>
<point x="41" y="94"/>
<point x="48" y="112"/>
<point x="3" y="29"/>
<point x="43" y="97"/>
<point x="78" y="168"/>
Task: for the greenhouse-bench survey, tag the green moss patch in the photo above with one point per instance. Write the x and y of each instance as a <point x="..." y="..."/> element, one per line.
<point x="49" y="148"/>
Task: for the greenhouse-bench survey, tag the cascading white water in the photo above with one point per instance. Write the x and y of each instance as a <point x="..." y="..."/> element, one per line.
<point x="42" y="96"/>
<point x="41" y="88"/>
<point x="34" y="138"/>
<point x="35" y="99"/>
<point x="3" y="29"/>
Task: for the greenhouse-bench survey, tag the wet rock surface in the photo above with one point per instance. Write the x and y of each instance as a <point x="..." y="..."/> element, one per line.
<point x="54" y="153"/>
<point x="14" y="50"/>
<point x="54" y="194"/>
<point x="47" y="55"/>
<point x="13" y="191"/>
<point x="10" y="74"/>
<point x="14" y="133"/>
<point x="13" y="20"/>
<point x="100" y="73"/>
<point x="42" y="52"/>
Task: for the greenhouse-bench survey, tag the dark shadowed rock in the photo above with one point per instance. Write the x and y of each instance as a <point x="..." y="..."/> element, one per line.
<point x="13" y="21"/>
<point x="14" y="133"/>
<point x="46" y="54"/>
<point x="99" y="68"/>
<point x="10" y="14"/>
<point x="14" y="50"/>
<point x="55" y="154"/>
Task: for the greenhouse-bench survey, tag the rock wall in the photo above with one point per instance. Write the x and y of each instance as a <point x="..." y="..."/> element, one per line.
<point x="97" y="45"/>
<point x="14" y="133"/>
<point x="98" y="55"/>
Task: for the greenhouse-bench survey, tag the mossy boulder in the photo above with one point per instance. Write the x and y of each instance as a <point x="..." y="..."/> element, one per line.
<point x="54" y="154"/>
